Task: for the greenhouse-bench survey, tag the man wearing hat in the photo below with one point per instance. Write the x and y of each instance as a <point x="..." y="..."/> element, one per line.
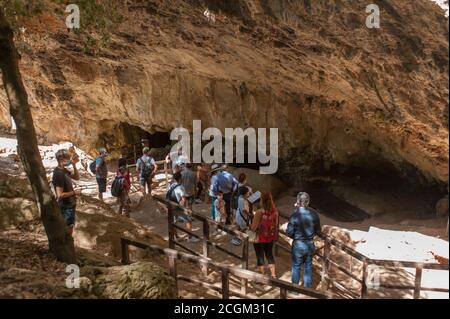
<point x="178" y="159"/>
<point x="224" y="182"/>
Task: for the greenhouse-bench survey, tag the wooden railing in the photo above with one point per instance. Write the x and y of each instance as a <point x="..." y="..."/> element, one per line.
<point x="225" y="270"/>
<point x="419" y="267"/>
<point x="205" y="238"/>
<point x="325" y="256"/>
<point x="362" y="278"/>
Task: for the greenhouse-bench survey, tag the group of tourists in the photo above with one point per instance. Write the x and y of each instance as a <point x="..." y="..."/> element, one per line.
<point x="230" y="204"/>
<point x="66" y="195"/>
<point x="259" y="218"/>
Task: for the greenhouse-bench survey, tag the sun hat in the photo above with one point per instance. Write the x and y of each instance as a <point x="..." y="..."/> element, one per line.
<point x="217" y="167"/>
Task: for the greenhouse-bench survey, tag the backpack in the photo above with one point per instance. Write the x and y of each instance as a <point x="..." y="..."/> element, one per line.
<point x="147" y="168"/>
<point x="93" y="167"/>
<point x="170" y="195"/>
<point x="268" y="229"/>
<point x="235" y="198"/>
<point x="117" y="186"/>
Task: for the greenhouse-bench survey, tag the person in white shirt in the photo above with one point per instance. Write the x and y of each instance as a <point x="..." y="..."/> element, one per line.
<point x="177" y="194"/>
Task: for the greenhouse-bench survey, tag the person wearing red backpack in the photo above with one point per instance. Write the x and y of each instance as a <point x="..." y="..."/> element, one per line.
<point x="265" y="225"/>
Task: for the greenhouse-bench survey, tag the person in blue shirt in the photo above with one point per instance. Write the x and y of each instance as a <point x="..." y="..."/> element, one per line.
<point x="101" y="172"/>
<point x="225" y="182"/>
<point x="303" y="226"/>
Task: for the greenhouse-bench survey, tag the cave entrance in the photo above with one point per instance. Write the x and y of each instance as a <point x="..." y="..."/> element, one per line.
<point x="136" y="138"/>
<point x="354" y="193"/>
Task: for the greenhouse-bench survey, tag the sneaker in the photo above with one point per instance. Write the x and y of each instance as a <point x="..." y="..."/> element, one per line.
<point x="194" y="240"/>
<point x="236" y="241"/>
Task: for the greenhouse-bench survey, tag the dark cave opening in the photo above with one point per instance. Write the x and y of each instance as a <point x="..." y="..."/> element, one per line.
<point x="136" y="138"/>
<point x="405" y="187"/>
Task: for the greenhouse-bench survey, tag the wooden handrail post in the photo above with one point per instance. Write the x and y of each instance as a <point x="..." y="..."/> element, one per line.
<point x="171" y="228"/>
<point x="283" y="293"/>
<point x="276" y="249"/>
<point x="418" y="282"/>
<point x="165" y="172"/>
<point x="205" y="245"/>
<point x="225" y="283"/>
<point x="363" y="293"/>
<point x="325" y="280"/>
<point x="125" y="252"/>
<point x="173" y="272"/>
<point x="244" y="282"/>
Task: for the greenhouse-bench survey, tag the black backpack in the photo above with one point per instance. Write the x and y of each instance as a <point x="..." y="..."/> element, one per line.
<point x="117" y="186"/>
<point x="170" y="195"/>
<point x="147" y="167"/>
<point x="93" y="167"/>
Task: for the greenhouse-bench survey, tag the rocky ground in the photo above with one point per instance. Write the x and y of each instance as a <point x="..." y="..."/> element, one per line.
<point x="28" y="270"/>
<point x="404" y="237"/>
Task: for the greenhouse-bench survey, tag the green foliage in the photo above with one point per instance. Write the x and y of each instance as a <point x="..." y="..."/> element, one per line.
<point x="15" y="9"/>
<point x="98" y="18"/>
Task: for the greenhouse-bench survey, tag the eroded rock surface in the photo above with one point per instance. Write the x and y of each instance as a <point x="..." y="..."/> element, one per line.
<point x="339" y="93"/>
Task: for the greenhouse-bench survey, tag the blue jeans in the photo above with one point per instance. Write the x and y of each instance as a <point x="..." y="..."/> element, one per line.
<point x="101" y="184"/>
<point x="213" y="209"/>
<point x="69" y="215"/>
<point x="302" y="254"/>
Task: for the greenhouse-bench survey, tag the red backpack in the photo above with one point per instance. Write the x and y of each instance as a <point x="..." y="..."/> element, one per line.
<point x="268" y="227"/>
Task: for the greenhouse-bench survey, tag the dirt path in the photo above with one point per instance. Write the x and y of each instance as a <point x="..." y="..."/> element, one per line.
<point x="154" y="216"/>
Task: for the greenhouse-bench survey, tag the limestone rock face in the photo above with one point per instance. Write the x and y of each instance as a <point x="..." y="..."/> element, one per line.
<point x="16" y="203"/>
<point x="262" y="183"/>
<point x="142" y="280"/>
<point x="442" y="207"/>
<point x="338" y="92"/>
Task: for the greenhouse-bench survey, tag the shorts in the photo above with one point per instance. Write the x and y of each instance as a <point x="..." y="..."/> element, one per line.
<point x="124" y="201"/>
<point x="213" y="208"/>
<point x="145" y="181"/>
<point x="264" y="250"/>
<point x="181" y="216"/>
<point x="101" y="185"/>
<point x="69" y="215"/>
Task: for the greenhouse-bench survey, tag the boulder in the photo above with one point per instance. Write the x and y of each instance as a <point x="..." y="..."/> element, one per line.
<point x="442" y="207"/>
<point x="142" y="280"/>
<point x="16" y="203"/>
